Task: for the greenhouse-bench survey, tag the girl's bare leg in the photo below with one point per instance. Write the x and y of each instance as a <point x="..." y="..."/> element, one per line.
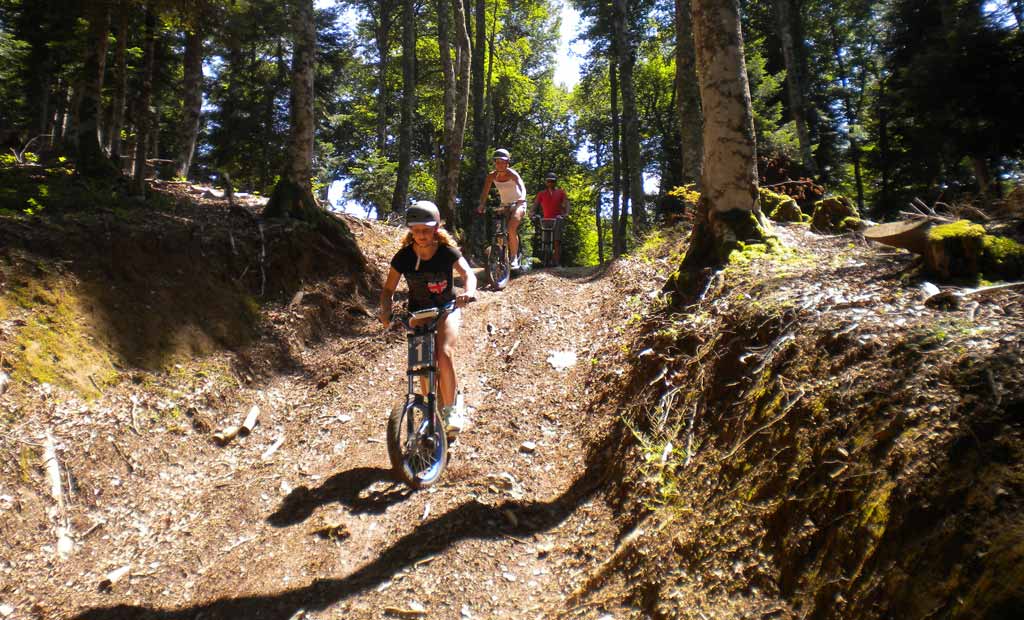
<point x="447" y="339"/>
<point x="515" y="217"/>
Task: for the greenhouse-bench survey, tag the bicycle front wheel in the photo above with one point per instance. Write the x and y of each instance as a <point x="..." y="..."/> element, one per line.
<point x="417" y="445"/>
<point x="498" y="268"/>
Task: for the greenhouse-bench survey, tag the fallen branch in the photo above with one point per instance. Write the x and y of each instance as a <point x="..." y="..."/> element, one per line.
<point x="789" y="406"/>
<point x="65" y="545"/>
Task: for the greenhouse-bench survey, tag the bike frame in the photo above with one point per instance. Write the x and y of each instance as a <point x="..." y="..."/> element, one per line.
<point x="549" y="233"/>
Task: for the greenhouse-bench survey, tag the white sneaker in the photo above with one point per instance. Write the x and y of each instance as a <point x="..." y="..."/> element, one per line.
<point x="454" y="420"/>
<point x="515" y="263"/>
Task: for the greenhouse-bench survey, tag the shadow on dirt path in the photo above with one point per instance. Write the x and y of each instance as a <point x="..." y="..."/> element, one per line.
<point x="468" y="520"/>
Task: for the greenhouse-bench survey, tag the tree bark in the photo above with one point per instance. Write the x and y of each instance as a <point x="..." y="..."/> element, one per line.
<point x="728" y="209"/>
<point x="293" y="194"/>
<point x="92" y="160"/>
<point x="448" y="98"/>
<point x="383" y="28"/>
<point x="192" y="100"/>
<point x="618" y="232"/>
<point x="462" y="87"/>
<point x="400" y="199"/>
<point x="144" y="114"/>
<point x="480" y="146"/>
<point x="120" y="89"/>
<point x="690" y="117"/>
<point x="787" y="16"/>
<point x="630" y="125"/>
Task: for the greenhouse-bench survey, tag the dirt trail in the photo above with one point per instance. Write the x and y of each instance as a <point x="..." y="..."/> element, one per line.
<point x="318" y="529"/>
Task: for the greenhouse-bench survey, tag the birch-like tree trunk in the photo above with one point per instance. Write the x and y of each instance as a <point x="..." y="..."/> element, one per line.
<point x="728" y="209"/>
<point x="92" y="159"/>
<point x="787" y="16"/>
<point x="293" y="195"/>
<point x="630" y="125"/>
<point x="480" y="145"/>
<point x="400" y="199"/>
<point x="192" y="100"/>
<point x="691" y="120"/>
<point x="144" y="114"/>
<point x="448" y="99"/>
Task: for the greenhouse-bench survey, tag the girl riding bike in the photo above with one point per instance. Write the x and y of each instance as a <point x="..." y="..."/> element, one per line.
<point x="427" y="260"/>
<point x="512" y="192"/>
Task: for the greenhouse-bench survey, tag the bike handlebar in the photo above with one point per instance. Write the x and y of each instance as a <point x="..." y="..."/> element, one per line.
<point x="406" y="317"/>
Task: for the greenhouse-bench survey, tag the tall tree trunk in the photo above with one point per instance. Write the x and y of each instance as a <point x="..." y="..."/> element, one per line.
<point x="852" y="115"/>
<point x="630" y="125"/>
<point x="787" y="17"/>
<point x="598" y="224"/>
<point x="192" y="100"/>
<point x="92" y="160"/>
<point x="120" y="88"/>
<point x="618" y="232"/>
<point x="728" y="209"/>
<point x="293" y="195"/>
<point x="60" y="126"/>
<point x="480" y="146"/>
<point x="144" y="116"/>
<point x="690" y="117"/>
<point x="400" y="199"/>
<point x="383" y="27"/>
<point x="463" y="55"/>
<point x="456" y="101"/>
<point x="448" y="98"/>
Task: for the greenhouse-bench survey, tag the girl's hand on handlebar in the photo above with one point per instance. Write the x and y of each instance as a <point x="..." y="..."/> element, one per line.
<point x="465" y="298"/>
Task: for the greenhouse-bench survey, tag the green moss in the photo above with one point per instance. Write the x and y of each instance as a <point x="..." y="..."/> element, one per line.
<point x="959" y="229"/>
<point x="54" y="345"/>
<point x="1002" y="258"/>
<point x="851" y="224"/>
<point x="829" y="213"/>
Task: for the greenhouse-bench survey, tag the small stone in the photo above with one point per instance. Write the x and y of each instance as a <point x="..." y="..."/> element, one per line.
<point x="509" y="576"/>
<point x="6" y="610"/>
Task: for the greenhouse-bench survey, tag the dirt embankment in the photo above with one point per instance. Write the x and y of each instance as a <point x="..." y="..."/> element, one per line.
<point x="816" y="442"/>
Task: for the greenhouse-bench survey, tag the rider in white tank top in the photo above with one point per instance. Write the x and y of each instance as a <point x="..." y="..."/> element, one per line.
<point x="510" y="190"/>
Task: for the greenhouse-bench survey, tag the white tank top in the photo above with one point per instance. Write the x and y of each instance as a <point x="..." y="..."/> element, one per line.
<point x="509" y="190"/>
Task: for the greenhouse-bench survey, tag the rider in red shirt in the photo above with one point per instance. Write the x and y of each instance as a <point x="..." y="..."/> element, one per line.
<point x="554" y="203"/>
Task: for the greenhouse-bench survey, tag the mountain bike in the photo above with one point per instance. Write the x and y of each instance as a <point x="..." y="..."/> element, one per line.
<point x="416" y="438"/>
<point x="549" y="229"/>
<point x="499" y="266"/>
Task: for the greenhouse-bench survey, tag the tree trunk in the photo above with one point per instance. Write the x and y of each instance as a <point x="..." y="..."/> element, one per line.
<point x="400" y="199"/>
<point x="687" y="96"/>
<point x="728" y="210"/>
<point x="144" y="114"/>
<point x="597" y="209"/>
<point x="630" y="124"/>
<point x="618" y="232"/>
<point x="448" y="83"/>
<point x="787" y="17"/>
<point x="480" y="146"/>
<point x="92" y="160"/>
<point x="192" y="100"/>
<point x="463" y="55"/>
<point x="383" y="32"/>
<point x="293" y="195"/>
<point x="120" y="88"/>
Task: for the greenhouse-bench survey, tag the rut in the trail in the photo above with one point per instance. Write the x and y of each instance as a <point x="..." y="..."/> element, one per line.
<point x="320" y="527"/>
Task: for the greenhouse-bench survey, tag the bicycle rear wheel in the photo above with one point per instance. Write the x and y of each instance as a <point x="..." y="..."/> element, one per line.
<point x="418" y="452"/>
<point x="498" y="267"/>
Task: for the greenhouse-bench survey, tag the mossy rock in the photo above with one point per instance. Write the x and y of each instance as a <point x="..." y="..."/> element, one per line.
<point x="780" y="207"/>
<point x="830" y="213"/>
<point x="852" y="224"/>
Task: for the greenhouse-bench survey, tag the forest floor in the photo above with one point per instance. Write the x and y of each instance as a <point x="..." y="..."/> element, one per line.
<point x="301" y="517"/>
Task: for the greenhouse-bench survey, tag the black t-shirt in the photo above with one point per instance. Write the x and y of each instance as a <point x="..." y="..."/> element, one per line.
<point x="431" y="282"/>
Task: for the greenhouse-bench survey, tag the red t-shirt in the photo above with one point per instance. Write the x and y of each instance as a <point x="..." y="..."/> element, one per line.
<point x="551" y="201"/>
